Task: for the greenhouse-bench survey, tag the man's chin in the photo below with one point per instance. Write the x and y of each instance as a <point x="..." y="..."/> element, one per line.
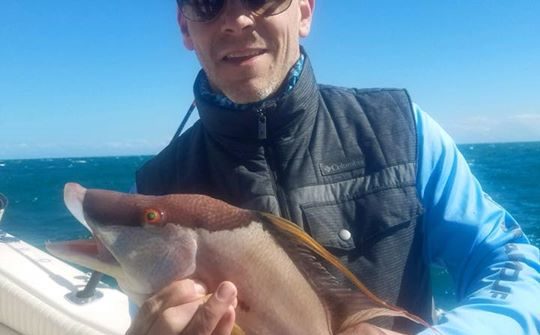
<point x="246" y="92"/>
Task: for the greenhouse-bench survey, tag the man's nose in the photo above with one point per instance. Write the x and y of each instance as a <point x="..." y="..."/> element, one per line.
<point x="235" y="17"/>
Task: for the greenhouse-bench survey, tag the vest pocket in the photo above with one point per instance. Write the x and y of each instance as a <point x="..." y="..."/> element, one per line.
<point x="325" y="222"/>
<point x="362" y="221"/>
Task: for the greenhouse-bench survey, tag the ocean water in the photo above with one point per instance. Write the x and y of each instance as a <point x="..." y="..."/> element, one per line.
<point x="509" y="172"/>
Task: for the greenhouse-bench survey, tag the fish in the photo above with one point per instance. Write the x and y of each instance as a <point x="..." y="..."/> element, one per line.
<point x="287" y="283"/>
<point x="3" y="205"/>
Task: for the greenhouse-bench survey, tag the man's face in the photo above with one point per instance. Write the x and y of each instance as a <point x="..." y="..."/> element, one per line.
<point x="245" y="56"/>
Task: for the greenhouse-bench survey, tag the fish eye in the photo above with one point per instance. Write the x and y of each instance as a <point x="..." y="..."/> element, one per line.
<point x="152" y="216"/>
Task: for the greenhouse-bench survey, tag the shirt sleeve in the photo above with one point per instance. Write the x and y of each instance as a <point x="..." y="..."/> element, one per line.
<point x="496" y="271"/>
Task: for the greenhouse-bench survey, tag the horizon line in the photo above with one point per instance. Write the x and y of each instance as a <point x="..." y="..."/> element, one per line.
<point x="150" y="155"/>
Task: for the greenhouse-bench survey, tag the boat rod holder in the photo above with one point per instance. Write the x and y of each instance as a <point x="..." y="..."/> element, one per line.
<point x="89" y="293"/>
<point x="90" y="288"/>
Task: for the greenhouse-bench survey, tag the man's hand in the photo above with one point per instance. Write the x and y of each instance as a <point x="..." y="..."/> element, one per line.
<point x="180" y="309"/>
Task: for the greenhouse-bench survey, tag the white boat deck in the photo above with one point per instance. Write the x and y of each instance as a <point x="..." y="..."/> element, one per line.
<point x="4" y="330"/>
<point x="34" y="287"/>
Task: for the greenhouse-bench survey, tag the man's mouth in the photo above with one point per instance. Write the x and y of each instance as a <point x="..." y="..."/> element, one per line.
<point x="243" y="55"/>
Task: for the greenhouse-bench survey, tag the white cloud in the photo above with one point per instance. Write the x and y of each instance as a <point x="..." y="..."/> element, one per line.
<point x="483" y="128"/>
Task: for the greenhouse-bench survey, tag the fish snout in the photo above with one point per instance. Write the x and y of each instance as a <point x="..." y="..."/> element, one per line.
<point x="74" y="195"/>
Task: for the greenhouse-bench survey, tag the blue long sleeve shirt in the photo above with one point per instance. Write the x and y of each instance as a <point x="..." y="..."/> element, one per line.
<point x="496" y="271"/>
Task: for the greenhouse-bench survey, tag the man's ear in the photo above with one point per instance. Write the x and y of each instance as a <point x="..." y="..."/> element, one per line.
<point x="186" y="37"/>
<point x="306" y="15"/>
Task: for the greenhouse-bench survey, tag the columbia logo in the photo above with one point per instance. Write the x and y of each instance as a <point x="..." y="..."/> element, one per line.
<point x="333" y="168"/>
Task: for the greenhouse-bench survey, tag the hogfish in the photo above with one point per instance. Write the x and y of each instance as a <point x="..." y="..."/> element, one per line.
<point x="286" y="281"/>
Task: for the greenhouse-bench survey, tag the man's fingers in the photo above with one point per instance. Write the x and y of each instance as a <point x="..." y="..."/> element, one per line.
<point x="178" y="308"/>
<point x="174" y="320"/>
<point x="177" y="293"/>
<point x="226" y="324"/>
<point x="207" y="319"/>
<point x="180" y="292"/>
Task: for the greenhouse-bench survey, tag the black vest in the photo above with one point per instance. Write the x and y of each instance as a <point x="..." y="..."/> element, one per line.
<point x="332" y="160"/>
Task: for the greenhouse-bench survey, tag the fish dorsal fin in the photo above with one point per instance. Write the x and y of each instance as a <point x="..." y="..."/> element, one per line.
<point x="349" y="302"/>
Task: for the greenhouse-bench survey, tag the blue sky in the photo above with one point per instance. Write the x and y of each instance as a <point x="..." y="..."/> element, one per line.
<point x="102" y="77"/>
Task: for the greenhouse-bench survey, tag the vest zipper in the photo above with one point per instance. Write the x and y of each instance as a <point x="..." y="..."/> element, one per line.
<point x="261" y="124"/>
<point x="271" y="161"/>
<point x="281" y="196"/>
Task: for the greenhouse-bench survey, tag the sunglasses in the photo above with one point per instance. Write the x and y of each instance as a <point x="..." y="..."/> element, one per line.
<point x="208" y="10"/>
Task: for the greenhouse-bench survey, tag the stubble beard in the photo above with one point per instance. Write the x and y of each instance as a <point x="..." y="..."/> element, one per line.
<point x="263" y="88"/>
<point x="240" y="95"/>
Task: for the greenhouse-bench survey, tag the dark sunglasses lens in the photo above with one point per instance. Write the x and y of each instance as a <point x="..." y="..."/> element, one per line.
<point x="268" y="7"/>
<point x="201" y="10"/>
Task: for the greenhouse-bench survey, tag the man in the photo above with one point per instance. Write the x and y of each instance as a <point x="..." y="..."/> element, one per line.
<point x="365" y="172"/>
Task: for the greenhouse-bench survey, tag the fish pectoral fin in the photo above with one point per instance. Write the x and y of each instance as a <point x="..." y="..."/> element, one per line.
<point x="237" y="330"/>
<point x="365" y="328"/>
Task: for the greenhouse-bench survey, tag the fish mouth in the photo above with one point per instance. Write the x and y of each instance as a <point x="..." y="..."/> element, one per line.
<point x="90" y="253"/>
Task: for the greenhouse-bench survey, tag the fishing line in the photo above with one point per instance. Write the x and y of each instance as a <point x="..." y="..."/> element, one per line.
<point x="184" y="121"/>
